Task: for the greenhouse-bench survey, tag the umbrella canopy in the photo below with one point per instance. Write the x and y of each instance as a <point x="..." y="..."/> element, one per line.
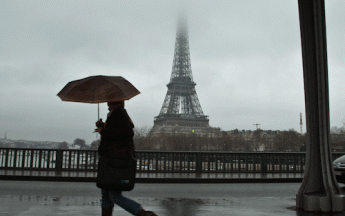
<point x="98" y="89"/>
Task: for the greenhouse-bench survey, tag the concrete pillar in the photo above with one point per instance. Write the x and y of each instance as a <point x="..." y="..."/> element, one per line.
<point x="319" y="191"/>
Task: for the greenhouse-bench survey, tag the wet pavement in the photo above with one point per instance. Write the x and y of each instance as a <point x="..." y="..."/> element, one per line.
<point x="49" y="206"/>
<point x="80" y="198"/>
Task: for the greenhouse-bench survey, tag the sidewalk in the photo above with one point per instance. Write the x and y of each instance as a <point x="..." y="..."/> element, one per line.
<point x="83" y="198"/>
<point x="32" y="206"/>
<point x="88" y="176"/>
<point x="75" y="198"/>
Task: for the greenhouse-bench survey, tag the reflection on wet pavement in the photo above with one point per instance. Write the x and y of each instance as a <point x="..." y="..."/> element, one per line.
<point x="301" y="213"/>
<point x="48" y="206"/>
<point x="184" y="206"/>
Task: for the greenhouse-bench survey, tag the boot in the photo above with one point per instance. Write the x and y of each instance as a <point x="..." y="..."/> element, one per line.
<point x="142" y="212"/>
<point x="107" y="211"/>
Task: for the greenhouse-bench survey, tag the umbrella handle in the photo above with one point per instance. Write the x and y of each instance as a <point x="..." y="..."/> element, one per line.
<point x="98" y="112"/>
<point x="99" y="123"/>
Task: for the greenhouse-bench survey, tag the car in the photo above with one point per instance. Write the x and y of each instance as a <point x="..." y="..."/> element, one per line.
<point x="339" y="168"/>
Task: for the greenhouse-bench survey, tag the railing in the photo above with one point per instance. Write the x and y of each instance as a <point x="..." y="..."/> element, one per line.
<point x="158" y="161"/>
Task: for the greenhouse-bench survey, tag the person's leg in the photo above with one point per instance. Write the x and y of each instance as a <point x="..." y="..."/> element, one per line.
<point x="107" y="204"/>
<point x="127" y="204"/>
<point x="107" y="211"/>
<point x="142" y="212"/>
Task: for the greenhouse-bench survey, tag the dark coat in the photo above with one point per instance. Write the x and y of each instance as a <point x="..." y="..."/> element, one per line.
<point x="117" y="136"/>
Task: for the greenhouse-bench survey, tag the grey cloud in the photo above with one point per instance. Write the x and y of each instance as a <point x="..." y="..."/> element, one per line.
<point x="245" y="55"/>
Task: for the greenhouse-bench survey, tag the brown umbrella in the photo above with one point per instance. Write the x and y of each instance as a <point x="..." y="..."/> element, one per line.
<point x="98" y="89"/>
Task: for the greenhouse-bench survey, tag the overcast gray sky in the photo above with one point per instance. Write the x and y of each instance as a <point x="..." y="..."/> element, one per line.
<point x="245" y="55"/>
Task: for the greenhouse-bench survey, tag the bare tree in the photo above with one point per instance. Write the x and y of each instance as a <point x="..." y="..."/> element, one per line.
<point x="141" y="140"/>
<point x="80" y="142"/>
<point x="63" y="145"/>
<point x="237" y="143"/>
<point x="288" y="141"/>
<point x="95" y="144"/>
<point x="257" y="139"/>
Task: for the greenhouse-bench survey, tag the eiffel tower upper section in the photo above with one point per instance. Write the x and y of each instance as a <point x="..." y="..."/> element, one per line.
<point x="181" y="104"/>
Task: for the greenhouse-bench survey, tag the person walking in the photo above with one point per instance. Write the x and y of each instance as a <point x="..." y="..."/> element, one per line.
<point x="117" y="142"/>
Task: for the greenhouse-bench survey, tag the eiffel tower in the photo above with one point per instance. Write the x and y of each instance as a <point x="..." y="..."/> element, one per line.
<point x="181" y="111"/>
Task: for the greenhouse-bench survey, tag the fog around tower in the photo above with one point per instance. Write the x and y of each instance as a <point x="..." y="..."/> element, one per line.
<point x="245" y="58"/>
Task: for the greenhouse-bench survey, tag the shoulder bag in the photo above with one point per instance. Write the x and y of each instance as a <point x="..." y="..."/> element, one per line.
<point x="116" y="174"/>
